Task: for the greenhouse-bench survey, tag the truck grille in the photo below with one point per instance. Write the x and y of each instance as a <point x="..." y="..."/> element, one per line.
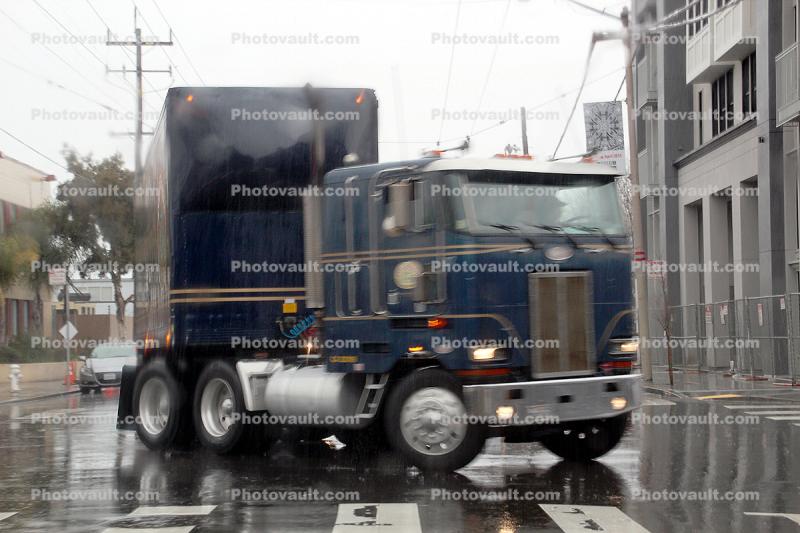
<point x="561" y="310"/>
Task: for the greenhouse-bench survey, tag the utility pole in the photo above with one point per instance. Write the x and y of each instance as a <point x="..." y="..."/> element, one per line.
<point x="639" y="254"/>
<point x="524" y="119"/>
<point x="139" y="43"/>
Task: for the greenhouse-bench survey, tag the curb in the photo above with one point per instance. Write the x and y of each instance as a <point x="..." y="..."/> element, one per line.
<point x="42" y="397"/>
<point x="663" y="392"/>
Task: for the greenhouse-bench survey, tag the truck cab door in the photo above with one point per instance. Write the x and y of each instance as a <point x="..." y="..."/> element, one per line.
<point x="411" y="282"/>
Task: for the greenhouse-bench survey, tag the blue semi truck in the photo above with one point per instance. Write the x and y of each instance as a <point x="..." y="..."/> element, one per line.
<point x="437" y="301"/>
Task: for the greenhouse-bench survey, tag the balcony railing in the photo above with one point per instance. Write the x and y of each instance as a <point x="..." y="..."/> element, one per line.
<point x="645" y="83"/>
<point x="787" y="97"/>
<point x="735" y="31"/>
<point x="698" y="54"/>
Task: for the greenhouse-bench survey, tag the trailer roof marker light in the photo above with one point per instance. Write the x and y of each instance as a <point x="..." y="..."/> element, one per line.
<point x="360" y="97"/>
<point x="189" y="97"/>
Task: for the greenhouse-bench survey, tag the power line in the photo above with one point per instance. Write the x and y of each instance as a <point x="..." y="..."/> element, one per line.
<point x="59" y="85"/>
<point x="541" y="104"/>
<point x="593" y="9"/>
<point x="621" y="85"/>
<point x="79" y="41"/>
<point x="449" y="71"/>
<point x="180" y="44"/>
<point x="29" y="147"/>
<point x="57" y="56"/>
<point x="700" y="18"/>
<point x="491" y="66"/>
<point x="577" y="97"/>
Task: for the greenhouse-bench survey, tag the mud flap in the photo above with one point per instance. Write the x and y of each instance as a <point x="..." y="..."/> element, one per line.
<point x="125" y="409"/>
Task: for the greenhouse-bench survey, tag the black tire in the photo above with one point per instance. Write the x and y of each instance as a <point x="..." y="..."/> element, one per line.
<point x="177" y="429"/>
<point x="239" y="435"/>
<point x="471" y="443"/>
<point x="589" y="440"/>
<point x="86" y="390"/>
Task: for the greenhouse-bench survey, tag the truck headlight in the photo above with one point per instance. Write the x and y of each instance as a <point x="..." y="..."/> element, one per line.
<point x="629" y="347"/>
<point x="487" y="354"/>
<point x="624" y="346"/>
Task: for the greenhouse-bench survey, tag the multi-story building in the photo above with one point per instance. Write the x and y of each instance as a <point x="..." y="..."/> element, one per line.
<point x="22" y="187"/>
<point x="724" y="149"/>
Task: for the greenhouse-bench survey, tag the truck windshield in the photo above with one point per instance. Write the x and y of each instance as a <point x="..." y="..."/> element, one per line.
<point x="539" y="203"/>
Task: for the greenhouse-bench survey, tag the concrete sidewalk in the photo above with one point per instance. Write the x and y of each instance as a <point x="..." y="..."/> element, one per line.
<point x="706" y="384"/>
<point x="35" y="391"/>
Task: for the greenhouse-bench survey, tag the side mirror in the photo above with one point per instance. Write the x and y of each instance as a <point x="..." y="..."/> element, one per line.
<point x="399" y="212"/>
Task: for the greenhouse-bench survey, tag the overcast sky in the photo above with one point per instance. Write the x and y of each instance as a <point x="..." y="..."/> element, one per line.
<point x="53" y="88"/>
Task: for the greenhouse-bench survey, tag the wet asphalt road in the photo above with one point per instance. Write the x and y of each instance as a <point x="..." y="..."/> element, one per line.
<point x="110" y="481"/>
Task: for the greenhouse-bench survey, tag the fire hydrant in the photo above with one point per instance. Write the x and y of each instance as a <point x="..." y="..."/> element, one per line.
<point x="15" y="376"/>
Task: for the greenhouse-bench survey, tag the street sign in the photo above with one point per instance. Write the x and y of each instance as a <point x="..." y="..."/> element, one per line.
<point x="68" y="331"/>
<point x="57" y="276"/>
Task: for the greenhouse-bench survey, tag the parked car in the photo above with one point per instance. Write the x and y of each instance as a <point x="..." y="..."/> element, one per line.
<point x="103" y="368"/>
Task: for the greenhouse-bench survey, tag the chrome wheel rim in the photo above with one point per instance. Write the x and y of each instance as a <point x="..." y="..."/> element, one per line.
<point x="433" y="421"/>
<point x="216" y="407"/>
<point x="154" y="406"/>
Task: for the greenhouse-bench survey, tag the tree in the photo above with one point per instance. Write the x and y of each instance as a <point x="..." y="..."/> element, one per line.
<point x="59" y="241"/>
<point x="98" y="198"/>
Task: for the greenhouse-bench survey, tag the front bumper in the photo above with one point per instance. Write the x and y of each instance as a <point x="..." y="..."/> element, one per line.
<point x="105" y="379"/>
<point x="554" y="401"/>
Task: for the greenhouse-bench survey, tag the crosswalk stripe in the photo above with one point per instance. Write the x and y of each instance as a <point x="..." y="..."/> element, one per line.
<point x="179" y="529"/>
<point x="582" y="518"/>
<point x="765" y="406"/>
<point x="173" y="510"/>
<point x="3" y="516"/>
<point x="793" y="517"/>
<point x="383" y="517"/>
<point x="783" y="418"/>
<point x="764" y="413"/>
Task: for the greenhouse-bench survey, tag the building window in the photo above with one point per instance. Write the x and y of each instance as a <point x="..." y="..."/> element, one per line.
<point x="749" y="85"/>
<point x="25" y="316"/>
<point x="13" y="323"/>
<point x="701" y="118"/>
<point x="699" y="9"/>
<point x="722" y="104"/>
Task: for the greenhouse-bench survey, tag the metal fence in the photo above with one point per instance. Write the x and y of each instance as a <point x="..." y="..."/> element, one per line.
<point x="759" y="337"/>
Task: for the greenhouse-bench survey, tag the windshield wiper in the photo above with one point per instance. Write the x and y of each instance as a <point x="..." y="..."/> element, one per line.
<point x="597" y="231"/>
<point x="512" y="229"/>
<point x="555" y="229"/>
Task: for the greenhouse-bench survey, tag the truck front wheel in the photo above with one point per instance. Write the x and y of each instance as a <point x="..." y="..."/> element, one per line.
<point x="584" y="441"/>
<point x="219" y="408"/>
<point x="158" y="408"/>
<point x="426" y="421"/>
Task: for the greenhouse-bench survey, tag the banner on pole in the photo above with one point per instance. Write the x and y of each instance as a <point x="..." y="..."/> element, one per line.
<point x="605" y="134"/>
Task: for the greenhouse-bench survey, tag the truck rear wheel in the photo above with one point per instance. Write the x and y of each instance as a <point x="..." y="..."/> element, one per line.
<point x="589" y="440"/>
<point x="426" y="422"/>
<point x="219" y="409"/>
<point x="159" y="408"/>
